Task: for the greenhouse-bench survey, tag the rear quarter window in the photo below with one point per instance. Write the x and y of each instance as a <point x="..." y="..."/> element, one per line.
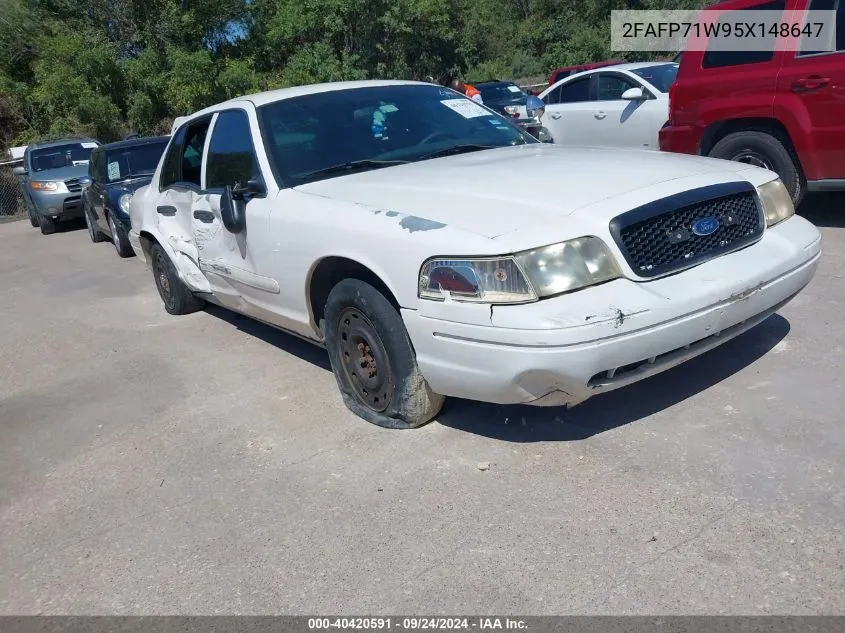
<point x="721" y="59"/>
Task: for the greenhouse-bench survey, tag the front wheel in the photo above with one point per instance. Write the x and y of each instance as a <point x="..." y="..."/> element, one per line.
<point x="177" y="297"/>
<point x="762" y="149"/>
<point x="33" y="219"/>
<point x="373" y="359"/>
<point x="48" y="227"/>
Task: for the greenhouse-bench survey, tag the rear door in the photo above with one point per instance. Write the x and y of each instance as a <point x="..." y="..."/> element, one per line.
<point x="811" y="86"/>
<point x="569" y="105"/>
<point x="180" y="182"/>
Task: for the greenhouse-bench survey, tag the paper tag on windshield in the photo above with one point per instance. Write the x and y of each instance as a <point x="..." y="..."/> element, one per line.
<point x="89" y="145"/>
<point x="466" y="108"/>
<point x="114" y="171"/>
<point x="514" y="89"/>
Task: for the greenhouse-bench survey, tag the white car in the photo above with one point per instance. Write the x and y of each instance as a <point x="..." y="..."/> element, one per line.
<point x="415" y="235"/>
<point x="613" y="106"/>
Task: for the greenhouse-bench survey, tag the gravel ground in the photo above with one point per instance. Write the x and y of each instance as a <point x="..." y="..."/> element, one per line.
<point x="205" y="464"/>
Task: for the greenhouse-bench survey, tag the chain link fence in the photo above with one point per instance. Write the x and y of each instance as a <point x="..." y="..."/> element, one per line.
<point x="11" y="197"/>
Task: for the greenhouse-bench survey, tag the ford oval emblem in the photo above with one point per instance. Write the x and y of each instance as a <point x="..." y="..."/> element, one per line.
<point x="705" y="226"/>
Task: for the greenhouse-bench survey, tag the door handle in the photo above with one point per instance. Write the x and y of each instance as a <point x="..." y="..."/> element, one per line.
<point x="810" y="84"/>
<point x="204" y="216"/>
<point x="556" y="115"/>
<point x="166" y="210"/>
<point x="600" y="115"/>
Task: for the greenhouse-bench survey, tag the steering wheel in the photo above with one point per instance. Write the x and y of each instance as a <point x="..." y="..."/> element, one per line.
<point x="434" y="135"/>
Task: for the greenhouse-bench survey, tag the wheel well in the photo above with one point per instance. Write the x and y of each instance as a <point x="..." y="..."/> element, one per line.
<point x="717" y="131"/>
<point x="329" y="272"/>
<point x="147" y="241"/>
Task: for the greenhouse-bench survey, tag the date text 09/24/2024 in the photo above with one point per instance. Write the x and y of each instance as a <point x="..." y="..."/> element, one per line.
<point x="416" y="623"/>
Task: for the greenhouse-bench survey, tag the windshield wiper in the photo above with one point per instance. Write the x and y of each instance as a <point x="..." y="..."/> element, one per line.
<point x="458" y="149"/>
<point x="364" y="164"/>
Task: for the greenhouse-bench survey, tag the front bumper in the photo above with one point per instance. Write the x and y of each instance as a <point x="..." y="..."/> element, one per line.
<point x="565" y="349"/>
<point x="57" y="206"/>
<point x="681" y="139"/>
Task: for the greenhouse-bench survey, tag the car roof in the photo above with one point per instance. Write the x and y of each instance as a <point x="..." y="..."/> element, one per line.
<point x="263" y="98"/>
<point x="632" y="66"/>
<point x="493" y="82"/>
<point x="133" y="142"/>
<point x="62" y="141"/>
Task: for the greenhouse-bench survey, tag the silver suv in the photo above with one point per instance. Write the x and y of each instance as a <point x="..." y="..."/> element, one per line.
<point x="55" y="173"/>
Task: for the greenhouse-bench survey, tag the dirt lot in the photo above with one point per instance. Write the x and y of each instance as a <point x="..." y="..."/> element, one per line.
<point x="205" y="464"/>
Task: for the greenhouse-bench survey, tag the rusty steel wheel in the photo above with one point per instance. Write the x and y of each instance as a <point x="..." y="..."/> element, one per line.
<point x="177" y="297"/>
<point x="364" y="359"/>
<point x="373" y="360"/>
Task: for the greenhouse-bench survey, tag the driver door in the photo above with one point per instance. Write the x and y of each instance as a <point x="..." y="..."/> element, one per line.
<point x="236" y="265"/>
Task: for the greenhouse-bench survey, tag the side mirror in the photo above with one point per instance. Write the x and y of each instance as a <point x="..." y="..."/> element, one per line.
<point x="19" y="171"/>
<point x="233" y="204"/>
<point x="633" y="94"/>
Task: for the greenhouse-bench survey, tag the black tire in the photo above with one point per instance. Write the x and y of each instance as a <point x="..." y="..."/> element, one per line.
<point x="93" y="232"/>
<point x="365" y="333"/>
<point x="119" y="238"/>
<point x="177" y="297"/>
<point x="752" y="146"/>
<point x="48" y="227"/>
<point x="33" y="219"/>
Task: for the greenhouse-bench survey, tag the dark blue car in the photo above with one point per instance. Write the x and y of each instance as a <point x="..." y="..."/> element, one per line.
<point x="117" y="170"/>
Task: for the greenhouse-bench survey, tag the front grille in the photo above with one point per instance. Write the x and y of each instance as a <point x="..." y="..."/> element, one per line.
<point x="668" y="235"/>
<point x="73" y="185"/>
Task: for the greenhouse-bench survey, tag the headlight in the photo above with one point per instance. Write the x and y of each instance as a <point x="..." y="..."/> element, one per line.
<point x="47" y="185"/>
<point x="568" y="266"/>
<point x="777" y="203"/>
<point x="521" y="278"/>
<point x="124" y="201"/>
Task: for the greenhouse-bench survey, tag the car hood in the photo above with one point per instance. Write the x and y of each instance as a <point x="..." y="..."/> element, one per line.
<point x="128" y="185"/>
<point x="494" y="193"/>
<point x="60" y="173"/>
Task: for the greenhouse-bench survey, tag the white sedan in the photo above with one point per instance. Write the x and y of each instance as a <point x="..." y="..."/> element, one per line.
<point x="412" y="233"/>
<point x="613" y="106"/>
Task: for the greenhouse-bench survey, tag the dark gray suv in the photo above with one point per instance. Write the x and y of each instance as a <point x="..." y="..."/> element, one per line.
<point x="55" y="173"/>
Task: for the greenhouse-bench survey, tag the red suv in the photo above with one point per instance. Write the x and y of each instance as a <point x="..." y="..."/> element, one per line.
<point x="783" y="110"/>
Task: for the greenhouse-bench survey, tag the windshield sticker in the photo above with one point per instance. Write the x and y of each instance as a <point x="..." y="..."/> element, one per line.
<point x="514" y="89"/>
<point x="114" y="171"/>
<point x="89" y="145"/>
<point x="466" y="108"/>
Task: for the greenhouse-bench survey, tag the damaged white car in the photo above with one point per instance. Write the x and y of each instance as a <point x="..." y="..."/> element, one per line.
<point x="415" y="234"/>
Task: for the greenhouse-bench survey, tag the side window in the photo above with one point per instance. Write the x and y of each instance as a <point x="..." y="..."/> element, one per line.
<point x="720" y="59"/>
<point x="576" y="91"/>
<point x="171" y="171"/>
<point x="231" y="154"/>
<point x="611" y="87"/>
<point x="830" y="5"/>
<point x="192" y="153"/>
<point x="553" y="96"/>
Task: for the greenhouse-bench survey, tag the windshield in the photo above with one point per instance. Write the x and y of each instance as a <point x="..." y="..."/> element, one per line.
<point x="60" y="156"/>
<point x="661" y="77"/>
<point x="501" y="92"/>
<point x="315" y="136"/>
<point x="138" y="160"/>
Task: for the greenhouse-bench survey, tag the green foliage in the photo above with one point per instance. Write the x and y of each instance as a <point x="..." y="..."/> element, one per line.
<point x="106" y="67"/>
